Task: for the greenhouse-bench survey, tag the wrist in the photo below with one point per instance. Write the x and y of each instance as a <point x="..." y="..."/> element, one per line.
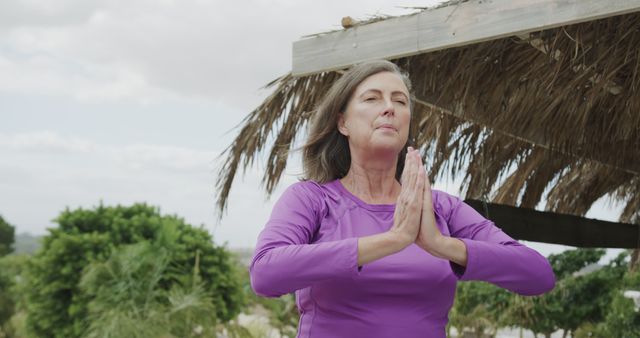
<point x="397" y="240"/>
<point x="451" y="249"/>
<point x="437" y="245"/>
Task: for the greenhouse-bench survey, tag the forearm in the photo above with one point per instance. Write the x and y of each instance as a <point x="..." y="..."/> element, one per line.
<point x="279" y="269"/>
<point x="431" y="240"/>
<point x="512" y="266"/>
<point x="285" y="268"/>
<point x="489" y="254"/>
<point x="449" y="248"/>
<point x="374" y="247"/>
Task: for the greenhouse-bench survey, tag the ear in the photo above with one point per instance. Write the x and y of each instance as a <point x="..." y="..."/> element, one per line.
<point x="342" y="125"/>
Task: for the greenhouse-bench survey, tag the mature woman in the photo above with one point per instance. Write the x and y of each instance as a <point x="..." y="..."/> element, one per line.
<point x="368" y="247"/>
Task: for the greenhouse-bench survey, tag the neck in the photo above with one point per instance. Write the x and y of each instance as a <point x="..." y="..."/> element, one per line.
<point x="373" y="181"/>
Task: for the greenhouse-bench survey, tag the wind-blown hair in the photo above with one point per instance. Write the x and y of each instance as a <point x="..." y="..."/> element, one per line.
<point x="326" y="155"/>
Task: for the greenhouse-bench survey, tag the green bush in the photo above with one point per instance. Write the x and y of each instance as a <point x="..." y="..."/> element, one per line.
<point x="479" y="308"/>
<point x="622" y="319"/>
<point x="7" y="237"/>
<point x="128" y="300"/>
<point x="11" y="295"/>
<point x="282" y="311"/>
<point x="56" y="304"/>
<point x="7" y="302"/>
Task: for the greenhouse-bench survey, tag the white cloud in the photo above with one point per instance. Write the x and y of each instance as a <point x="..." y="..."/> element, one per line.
<point x="43" y="72"/>
<point x="146" y="50"/>
<point x="162" y="157"/>
<point x="128" y="157"/>
<point x="176" y="55"/>
<point x="45" y="141"/>
<point x="45" y="172"/>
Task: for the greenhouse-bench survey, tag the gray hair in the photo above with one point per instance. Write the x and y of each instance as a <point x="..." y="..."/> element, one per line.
<point x="326" y="155"/>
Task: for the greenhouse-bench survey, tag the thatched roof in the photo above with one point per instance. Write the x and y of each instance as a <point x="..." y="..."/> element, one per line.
<point x="550" y="115"/>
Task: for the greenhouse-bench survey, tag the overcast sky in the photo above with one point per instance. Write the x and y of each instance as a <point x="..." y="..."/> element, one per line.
<point x="132" y="101"/>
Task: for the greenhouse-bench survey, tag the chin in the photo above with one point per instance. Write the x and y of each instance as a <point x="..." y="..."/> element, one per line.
<point x="387" y="148"/>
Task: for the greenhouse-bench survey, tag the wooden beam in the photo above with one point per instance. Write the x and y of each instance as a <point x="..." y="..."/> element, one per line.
<point x="554" y="228"/>
<point x="446" y="27"/>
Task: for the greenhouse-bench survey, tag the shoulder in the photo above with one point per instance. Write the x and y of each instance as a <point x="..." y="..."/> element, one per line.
<point x="310" y="194"/>
<point x="444" y="203"/>
<point x="308" y="190"/>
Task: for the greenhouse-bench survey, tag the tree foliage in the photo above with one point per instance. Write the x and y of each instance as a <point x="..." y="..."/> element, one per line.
<point x="570" y="261"/>
<point x="576" y="305"/>
<point x="7" y="303"/>
<point x="58" y="306"/>
<point x="282" y="311"/>
<point x="7" y="237"/>
<point x="128" y="300"/>
<point x="11" y="293"/>
<point x="622" y="318"/>
<point x="479" y="308"/>
<point x="585" y="298"/>
<point x="575" y="299"/>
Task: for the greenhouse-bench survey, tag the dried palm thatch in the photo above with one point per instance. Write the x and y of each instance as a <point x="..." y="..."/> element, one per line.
<point x="553" y="115"/>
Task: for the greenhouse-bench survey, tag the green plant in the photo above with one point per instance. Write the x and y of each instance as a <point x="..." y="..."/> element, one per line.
<point x="56" y="304"/>
<point x="7" y="237"/>
<point x="622" y="317"/>
<point x="479" y="307"/>
<point x="129" y="300"/>
<point x="11" y="295"/>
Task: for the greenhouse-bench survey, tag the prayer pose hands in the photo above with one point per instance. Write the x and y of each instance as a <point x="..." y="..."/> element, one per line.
<point x="406" y="219"/>
<point x="414" y="219"/>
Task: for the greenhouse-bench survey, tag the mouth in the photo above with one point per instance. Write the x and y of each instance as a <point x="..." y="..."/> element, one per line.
<point x="387" y="126"/>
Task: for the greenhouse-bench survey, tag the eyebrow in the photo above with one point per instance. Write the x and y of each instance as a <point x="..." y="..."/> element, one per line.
<point x="378" y="91"/>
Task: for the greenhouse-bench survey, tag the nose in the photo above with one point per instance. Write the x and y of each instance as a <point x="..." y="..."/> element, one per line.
<point x="389" y="109"/>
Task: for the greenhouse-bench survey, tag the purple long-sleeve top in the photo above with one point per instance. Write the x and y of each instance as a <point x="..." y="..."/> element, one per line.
<point x="310" y="246"/>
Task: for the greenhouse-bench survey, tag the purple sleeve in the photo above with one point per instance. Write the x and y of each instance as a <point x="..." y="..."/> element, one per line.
<point x="285" y="260"/>
<point x="493" y="256"/>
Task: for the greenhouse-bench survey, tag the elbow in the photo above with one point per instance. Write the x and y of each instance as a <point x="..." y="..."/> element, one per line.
<point x="545" y="281"/>
<point x="548" y="278"/>
<point x="263" y="289"/>
<point x="543" y="285"/>
<point x="262" y="282"/>
<point x="548" y="281"/>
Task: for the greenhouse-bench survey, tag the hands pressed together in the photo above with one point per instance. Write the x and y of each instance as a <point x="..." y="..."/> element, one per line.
<point x="414" y="220"/>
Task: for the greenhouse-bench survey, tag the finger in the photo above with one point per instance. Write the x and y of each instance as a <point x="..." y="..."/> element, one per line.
<point x="419" y="196"/>
<point x="421" y="165"/>
<point x="422" y="177"/>
<point x="408" y="192"/>
<point x="414" y="192"/>
<point x="427" y="198"/>
<point x="427" y="181"/>
<point x="405" y="169"/>
<point x="412" y="172"/>
<point x="416" y="164"/>
<point x="406" y="172"/>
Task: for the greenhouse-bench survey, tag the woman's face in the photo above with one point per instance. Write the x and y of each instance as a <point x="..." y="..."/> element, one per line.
<point x="377" y="115"/>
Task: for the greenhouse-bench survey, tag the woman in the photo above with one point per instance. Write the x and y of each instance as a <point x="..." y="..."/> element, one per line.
<point x="369" y="249"/>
